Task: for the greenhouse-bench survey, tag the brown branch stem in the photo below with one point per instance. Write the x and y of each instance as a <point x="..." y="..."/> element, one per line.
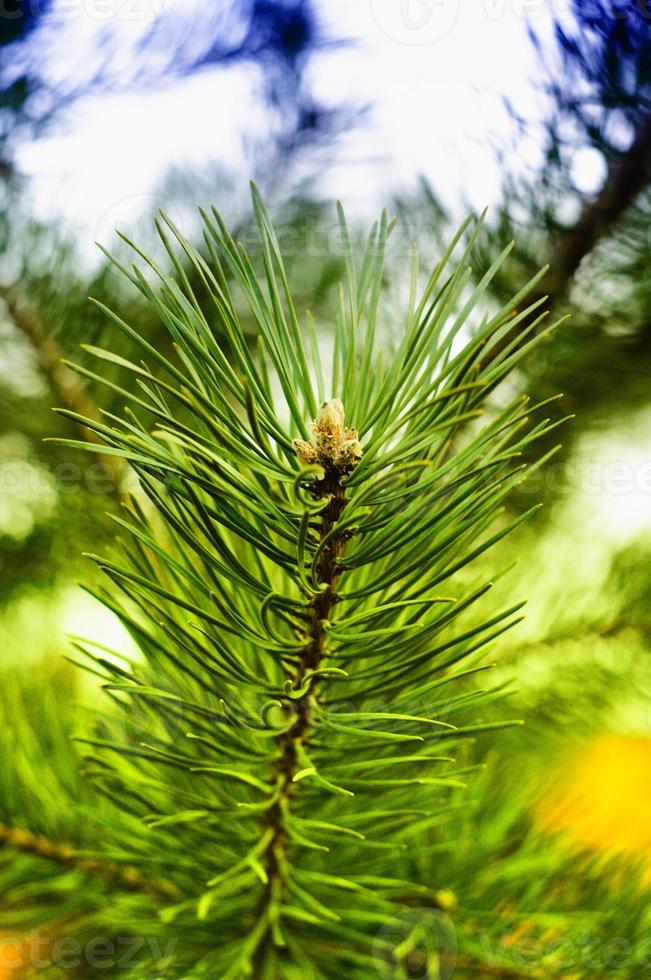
<point x="66" y="385"/>
<point x="628" y="174"/>
<point x="65" y="855"/>
<point x="320" y="609"/>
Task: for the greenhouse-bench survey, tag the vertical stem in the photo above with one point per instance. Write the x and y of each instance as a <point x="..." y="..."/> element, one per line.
<point x="320" y="609"/>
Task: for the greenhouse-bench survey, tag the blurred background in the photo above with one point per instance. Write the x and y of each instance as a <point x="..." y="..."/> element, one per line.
<point x="539" y="110"/>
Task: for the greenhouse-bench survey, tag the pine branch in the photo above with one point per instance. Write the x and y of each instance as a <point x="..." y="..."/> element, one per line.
<point x="628" y="171"/>
<point x="64" y="382"/>
<point x="121" y="876"/>
<point x="627" y="175"/>
<point x="287" y="599"/>
<point x="289" y="747"/>
<point x="481" y="970"/>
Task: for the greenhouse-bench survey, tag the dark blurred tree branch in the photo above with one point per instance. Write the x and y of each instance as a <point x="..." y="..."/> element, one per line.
<point x="120" y="876"/>
<point x="596" y="242"/>
<point x="627" y="176"/>
<point x="65" y="384"/>
<point x="601" y="96"/>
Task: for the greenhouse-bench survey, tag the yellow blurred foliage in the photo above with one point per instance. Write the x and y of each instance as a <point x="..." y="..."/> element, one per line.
<point x="26" y="955"/>
<point x="603" y="802"/>
<point x="14" y="958"/>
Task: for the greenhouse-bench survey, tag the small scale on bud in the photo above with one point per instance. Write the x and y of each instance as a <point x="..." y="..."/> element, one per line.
<point x="332" y="445"/>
